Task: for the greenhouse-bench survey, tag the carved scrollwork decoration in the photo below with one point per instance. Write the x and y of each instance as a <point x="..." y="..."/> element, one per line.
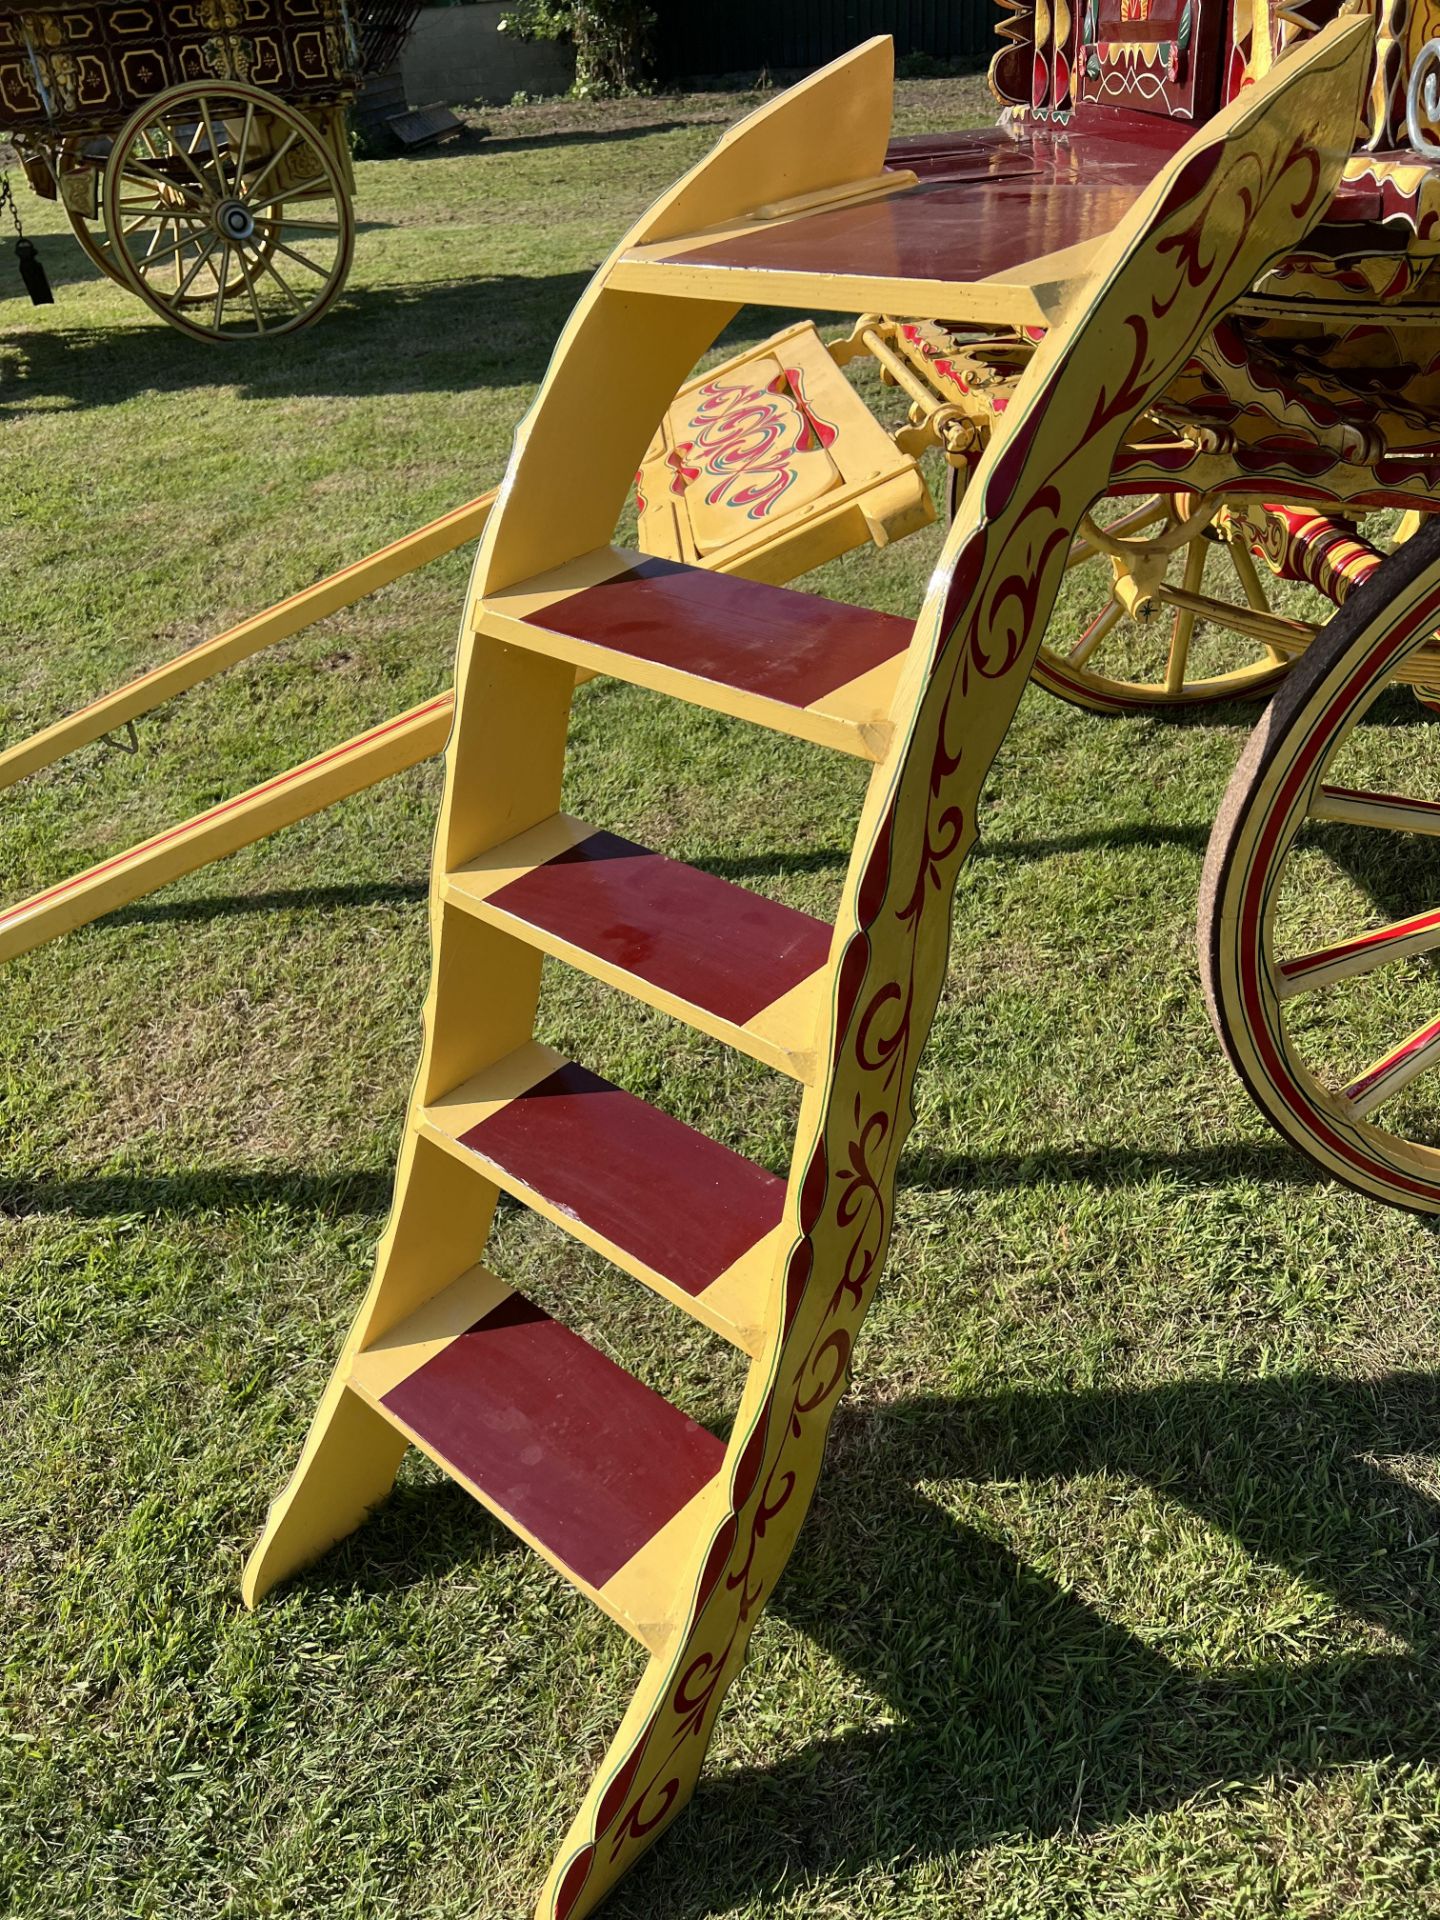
<point x="1422" y="101"/>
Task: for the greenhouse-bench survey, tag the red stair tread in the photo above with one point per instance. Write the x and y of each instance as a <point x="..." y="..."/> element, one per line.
<point x="578" y="1452"/>
<point x="670" y="1197"/>
<point x="998" y="203"/>
<point x="712" y="943"/>
<point x="785" y="646"/>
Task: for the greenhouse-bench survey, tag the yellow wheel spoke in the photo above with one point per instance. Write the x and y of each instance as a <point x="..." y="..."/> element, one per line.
<point x="215" y="159"/>
<point x="1100" y="627"/>
<point x="291" y="254"/>
<point x="147" y="261"/>
<point x="195" y="267"/>
<point x="270" y="166"/>
<point x="287" y="193"/>
<point x="247" y="277"/>
<point x="1403" y="939"/>
<point x="294" y="220"/>
<point x="1418" y="1053"/>
<point x="1183" y="630"/>
<point x="161" y="184"/>
<point x="275" y="274"/>
<point x="220" y="284"/>
<point x="1249" y="578"/>
<point x="1391" y="812"/>
<point x="206" y="186"/>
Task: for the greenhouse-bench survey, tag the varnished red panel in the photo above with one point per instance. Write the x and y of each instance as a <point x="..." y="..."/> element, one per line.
<point x="785" y="646"/>
<point x="713" y="943"/>
<point x="986" y="203"/>
<point x="669" y="1196"/>
<point x="582" y="1454"/>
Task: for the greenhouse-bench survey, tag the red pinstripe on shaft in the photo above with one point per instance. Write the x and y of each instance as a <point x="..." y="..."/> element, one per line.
<point x="281" y="780"/>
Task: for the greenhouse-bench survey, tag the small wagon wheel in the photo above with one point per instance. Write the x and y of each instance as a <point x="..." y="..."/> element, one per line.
<point x="1323" y="992"/>
<point x="1171" y="614"/>
<point x="89" y="156"/>
<point x="228" y="212"/>
<point x="1135" y="659"/>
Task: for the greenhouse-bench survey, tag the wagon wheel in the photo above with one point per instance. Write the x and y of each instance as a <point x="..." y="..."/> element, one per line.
<point x="231" y="212"/>
<point x="89" y="156"/>
<point x="1121" y="663"/>
<point x="1319" y="924"/>
<point x="1153" y="653"/>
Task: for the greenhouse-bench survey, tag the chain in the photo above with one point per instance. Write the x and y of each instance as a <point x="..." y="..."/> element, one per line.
<point x="7" y="199"/>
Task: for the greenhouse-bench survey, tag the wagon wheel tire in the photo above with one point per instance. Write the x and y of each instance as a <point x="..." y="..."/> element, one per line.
<point x="228" y="212"/>
<point x="1255" y="996"/>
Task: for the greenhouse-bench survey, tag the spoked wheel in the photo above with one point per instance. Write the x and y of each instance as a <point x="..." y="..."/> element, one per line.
<point x="227" y="212"/>
<point x="1320" y="907"/>
<point x="1168" y="610"/>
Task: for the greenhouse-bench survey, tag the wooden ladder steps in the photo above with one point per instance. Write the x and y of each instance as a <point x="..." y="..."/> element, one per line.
<point x="682" y="1213"/>
<point x="816" y="669"/>
<point x="729" y="962"/>
<point x="592" y="1468"/>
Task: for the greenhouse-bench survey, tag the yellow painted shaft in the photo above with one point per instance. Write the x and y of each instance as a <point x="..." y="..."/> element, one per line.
<point x="252" y="636"/>
<point x="315" y="784"/>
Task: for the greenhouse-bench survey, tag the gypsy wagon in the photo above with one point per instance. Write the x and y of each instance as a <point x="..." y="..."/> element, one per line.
<point x="199" y="149"/>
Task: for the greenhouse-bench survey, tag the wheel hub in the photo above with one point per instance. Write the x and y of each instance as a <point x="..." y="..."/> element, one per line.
<point x="233" y="220"/>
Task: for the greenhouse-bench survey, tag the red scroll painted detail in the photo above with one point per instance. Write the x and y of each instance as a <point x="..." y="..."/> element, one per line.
<point x="746" y="442"/>
<point x="1199" y="248"/>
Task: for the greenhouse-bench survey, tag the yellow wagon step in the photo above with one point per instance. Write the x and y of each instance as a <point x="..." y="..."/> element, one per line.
<point x="809" y="667"/>
<point x="687" y="1216"/>
<point x="723" y="959"/>
<point x="678" y="1535"/>
<point x="582" y="1460"/>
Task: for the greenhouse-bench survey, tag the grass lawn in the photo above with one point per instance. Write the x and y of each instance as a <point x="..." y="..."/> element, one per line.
<point x="1119" y="1597"/>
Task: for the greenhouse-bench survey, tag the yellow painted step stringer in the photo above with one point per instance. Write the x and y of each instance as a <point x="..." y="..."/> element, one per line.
<point x="733" y="1305"/>
<point x="642" y="1595"/>
<point x="212" y="657"/>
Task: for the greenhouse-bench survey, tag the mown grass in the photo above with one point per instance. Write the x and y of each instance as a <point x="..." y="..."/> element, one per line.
<point x="1119" y="1598"/>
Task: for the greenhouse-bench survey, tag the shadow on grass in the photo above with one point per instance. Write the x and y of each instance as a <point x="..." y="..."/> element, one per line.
<point x="378" y="893"/>
<point x="206" y="1190"/>
<point x="585" y="136"/>
<point x="429" y="336"/>
<point x="1019" y="1708"/>
<point x="367" y="1190"/>
<point x="495" y="331"/>
<point x="1270" y="1162"/>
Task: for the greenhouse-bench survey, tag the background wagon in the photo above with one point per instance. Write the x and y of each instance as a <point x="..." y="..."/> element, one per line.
<point x="199" y="148"/>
